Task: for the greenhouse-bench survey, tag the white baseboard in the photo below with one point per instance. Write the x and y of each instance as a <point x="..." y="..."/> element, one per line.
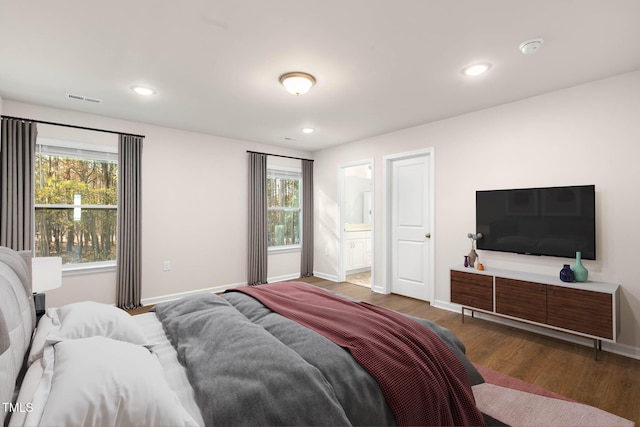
<point x="445" y="305"/>
<point x="283" y="278"/>
<point x="379" y="289"/>
<point x="622" y="349"/>
<point x="617" y="348"/>
<point x="329" y="277"/>
<point x="172" y="297"/>
<point x="215" y="289"/>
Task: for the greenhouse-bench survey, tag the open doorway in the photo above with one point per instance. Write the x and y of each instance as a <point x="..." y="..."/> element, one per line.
<point x="356" y="221"/>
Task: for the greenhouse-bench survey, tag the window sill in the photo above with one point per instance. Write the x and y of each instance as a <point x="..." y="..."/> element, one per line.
<point x="283" y="249"/>
<point x="88" y="268"/>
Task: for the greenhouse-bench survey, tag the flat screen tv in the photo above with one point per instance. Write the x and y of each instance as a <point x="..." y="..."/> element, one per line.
<point x="554" y="221"/>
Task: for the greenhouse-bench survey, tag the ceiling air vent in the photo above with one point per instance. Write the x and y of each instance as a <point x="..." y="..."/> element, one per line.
<point x="84" y="98"/>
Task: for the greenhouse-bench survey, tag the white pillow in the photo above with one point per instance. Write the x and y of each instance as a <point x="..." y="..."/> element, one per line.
<point x="89" y="319"/>
<point x="104" y="382"/>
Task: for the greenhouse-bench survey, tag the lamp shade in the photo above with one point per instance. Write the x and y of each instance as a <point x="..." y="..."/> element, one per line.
<point x="46" y="273"/>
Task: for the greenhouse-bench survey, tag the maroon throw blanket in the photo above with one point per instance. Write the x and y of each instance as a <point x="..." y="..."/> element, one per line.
<point x="423" y="381"/>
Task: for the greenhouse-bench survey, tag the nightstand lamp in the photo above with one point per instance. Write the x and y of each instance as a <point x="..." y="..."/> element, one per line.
<point x="46" y="274"/>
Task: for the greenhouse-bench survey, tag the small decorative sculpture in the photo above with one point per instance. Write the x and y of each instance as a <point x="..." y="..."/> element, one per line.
<point x="580" y="273"/>
<point x="473" y="256"/>
<point x="566" y="274"/>
<point x="474" y="260"/>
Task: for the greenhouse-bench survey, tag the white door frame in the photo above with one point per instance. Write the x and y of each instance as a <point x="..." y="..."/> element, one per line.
<point x="386" y="218"/>
<point x="341" y="215"/>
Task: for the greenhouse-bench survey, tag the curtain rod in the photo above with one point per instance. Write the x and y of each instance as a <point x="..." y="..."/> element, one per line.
<point x="71" y="126"/>
<point x="279" y="155"/>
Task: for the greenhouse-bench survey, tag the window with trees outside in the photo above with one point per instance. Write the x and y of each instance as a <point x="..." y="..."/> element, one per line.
<point x="284" y="208"/>
<point x="76" y="201"/>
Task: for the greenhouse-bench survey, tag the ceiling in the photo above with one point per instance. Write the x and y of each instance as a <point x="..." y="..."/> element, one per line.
<point x="380" y="65"/>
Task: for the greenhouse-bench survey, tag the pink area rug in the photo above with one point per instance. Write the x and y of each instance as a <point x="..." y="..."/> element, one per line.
<point x="504" y="380"/>
<point x="517" y="403"/>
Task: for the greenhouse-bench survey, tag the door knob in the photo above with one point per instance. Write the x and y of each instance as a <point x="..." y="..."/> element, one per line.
<point x="428" y="235"/>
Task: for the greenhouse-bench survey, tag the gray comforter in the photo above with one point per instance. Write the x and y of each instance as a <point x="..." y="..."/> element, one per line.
<point x="250" y="366"/>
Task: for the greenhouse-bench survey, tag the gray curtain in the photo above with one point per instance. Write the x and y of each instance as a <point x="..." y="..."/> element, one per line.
<point x="17" y="154"/>
<point x="257" y="271"/>
<point x="129" y="275"/>
<point x="306" y="256"/>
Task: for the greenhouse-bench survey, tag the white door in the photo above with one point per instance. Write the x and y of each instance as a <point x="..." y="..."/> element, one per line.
<point x="410" y="210"/>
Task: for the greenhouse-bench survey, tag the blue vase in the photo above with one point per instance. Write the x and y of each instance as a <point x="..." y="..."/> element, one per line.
<point x="580" y="273"/>
<point x="566" y="274"/>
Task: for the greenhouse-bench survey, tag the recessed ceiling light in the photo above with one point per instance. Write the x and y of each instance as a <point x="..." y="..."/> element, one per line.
<point x="308" y="130"/>
<point x="141" y="90"/>
<point x="476" y="69"/>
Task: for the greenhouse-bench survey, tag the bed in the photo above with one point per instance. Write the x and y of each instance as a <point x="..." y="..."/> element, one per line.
<point x="231" y="359"/>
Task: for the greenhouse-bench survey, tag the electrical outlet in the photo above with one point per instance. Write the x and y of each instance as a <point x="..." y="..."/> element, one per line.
<point x="166" y="266"/>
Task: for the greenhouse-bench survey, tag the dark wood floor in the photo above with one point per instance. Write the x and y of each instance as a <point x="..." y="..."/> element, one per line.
<point x="612" y="383"/>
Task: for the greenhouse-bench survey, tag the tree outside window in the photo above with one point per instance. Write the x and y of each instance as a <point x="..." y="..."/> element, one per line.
<point x="76" y="200"/>
<point x="283" y="208"/>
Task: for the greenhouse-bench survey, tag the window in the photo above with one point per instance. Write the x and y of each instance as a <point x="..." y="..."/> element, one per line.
<point x="284" y="211"/>
<point x="76" y="201"/>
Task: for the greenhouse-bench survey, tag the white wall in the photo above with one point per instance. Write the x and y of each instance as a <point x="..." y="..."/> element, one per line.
<point x="584" y="135"/>
<point x="588" y="134"/>
<point x="194" y="210"/>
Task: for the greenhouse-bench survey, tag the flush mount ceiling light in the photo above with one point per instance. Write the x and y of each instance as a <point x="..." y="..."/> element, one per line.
<point x="530" y="46"/>
<point x="141" y="90"/>
<point x="297" y="83"/>
<point x="476" y="69"/>
<point x="308" y="130"/>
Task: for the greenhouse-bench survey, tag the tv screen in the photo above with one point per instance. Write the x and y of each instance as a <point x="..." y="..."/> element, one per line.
<point x="554" y="221"/>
